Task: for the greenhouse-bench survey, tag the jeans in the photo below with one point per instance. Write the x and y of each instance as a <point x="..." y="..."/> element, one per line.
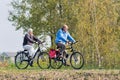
<point x="62" y="47"/>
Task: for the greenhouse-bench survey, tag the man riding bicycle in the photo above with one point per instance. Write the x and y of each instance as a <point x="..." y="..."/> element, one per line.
<point x="62" y="38"/>
<point x="28" y="41"/>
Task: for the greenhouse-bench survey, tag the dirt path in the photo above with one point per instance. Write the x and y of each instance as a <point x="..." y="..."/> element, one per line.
<point x="59" y="74"/>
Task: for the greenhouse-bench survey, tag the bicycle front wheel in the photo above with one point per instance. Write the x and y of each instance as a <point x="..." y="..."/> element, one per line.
<point x="77" y="60"/>
<point x="43" y="60"/>
<point x="21" y="61"/>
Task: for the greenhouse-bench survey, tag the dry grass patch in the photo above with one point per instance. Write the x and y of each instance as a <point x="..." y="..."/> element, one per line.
<point x="60" y="74"/>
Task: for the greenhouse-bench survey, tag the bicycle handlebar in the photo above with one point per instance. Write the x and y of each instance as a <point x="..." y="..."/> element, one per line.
<point x="73" y="42"/>
<point x="40" y="42"/>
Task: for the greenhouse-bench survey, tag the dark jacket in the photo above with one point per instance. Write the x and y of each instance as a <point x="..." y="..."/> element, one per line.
<point x="29" y="40"/>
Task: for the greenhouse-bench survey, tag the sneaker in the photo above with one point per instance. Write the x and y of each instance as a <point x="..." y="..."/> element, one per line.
<point x="65" y="64"/>
<point x="31" y="63"/>
<point x="67" y="55"/>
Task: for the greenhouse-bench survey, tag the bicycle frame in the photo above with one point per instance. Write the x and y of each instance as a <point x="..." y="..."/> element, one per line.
<point x="38" y="50"/>
<point x="71" y="47"/>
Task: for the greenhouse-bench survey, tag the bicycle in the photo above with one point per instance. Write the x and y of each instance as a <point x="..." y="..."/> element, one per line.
<point x="76" y="59"/>
<point x="22" y="59"/>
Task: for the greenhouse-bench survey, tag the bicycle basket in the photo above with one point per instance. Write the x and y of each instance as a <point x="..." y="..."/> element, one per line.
<point x="52" y="53"/>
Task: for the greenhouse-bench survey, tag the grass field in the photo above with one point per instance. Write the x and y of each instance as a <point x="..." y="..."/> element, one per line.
<point x="57" y="74"/>
<point x="10" y="72"/>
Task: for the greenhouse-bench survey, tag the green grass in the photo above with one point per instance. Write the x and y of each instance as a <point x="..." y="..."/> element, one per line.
<point x="85" y="67"/>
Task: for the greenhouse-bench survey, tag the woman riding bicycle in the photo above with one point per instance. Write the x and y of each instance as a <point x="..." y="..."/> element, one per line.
<point x="62" y="38"/>
<point x="28" y="41"/>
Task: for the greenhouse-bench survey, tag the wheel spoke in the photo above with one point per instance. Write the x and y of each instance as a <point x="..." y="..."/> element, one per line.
<point x="21" y="61"/>
<point x="77" y="60"/>
<point x="56" y="63"/>
<point x="43" y="60"/>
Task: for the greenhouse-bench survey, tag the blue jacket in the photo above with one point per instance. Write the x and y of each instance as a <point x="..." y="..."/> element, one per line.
<point x="63" y="37"/>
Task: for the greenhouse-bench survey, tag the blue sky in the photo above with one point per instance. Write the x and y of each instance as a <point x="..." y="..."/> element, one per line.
<point x="10" y="40"/>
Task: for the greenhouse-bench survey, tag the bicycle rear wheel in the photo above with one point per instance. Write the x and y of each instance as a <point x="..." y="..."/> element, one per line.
<point x="21" y="60"/>
<point x="77" y="60"/>
<point x="56" y="63"/>
<point x="43" y="60"/>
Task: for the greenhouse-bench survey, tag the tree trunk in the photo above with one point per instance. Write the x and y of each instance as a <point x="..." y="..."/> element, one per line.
<point x="95" y="31"/>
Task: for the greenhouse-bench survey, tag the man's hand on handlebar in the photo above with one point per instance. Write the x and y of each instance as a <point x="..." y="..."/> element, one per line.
<point x="69" y="42"/>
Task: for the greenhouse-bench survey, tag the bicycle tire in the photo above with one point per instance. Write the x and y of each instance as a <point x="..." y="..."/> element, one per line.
<point x="76" y="60"/>
<point x="21" y="60"/>
<point x="56" y="63"/>
<point x="43" y="60"/>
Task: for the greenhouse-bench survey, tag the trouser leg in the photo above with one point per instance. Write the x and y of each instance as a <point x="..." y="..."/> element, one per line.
<point x="30" y="49"/>
<point x="62" y="47"/>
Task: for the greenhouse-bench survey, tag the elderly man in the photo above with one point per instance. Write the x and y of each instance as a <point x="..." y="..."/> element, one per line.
<point x="62" y="37"/>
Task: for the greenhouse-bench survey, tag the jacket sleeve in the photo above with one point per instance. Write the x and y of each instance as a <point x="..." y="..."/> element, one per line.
<point x="36" y="39"/>
<point x="70" y="38"/>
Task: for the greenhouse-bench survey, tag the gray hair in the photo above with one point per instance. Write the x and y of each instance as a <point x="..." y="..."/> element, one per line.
<point x="30" y="30"/>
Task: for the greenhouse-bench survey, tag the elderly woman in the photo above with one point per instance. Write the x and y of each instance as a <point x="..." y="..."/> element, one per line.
<point x="28" y="41"/>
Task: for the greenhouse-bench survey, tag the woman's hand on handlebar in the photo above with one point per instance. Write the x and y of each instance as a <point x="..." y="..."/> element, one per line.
<point x="41" y="42"/>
